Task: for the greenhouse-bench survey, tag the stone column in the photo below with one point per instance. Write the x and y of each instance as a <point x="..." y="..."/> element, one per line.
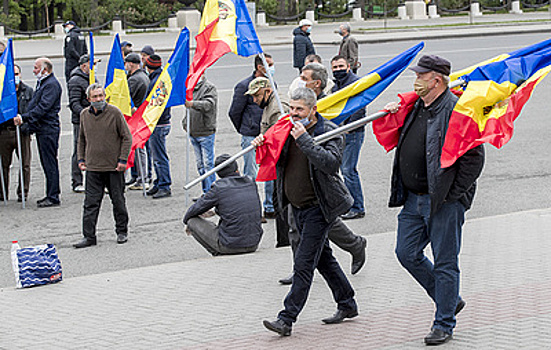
<point x="475" y="9"/>
<point x="433" y="11"/>
<point x="261" y="18"/>
<point x="515" y="7"/>
<point x="311" y="15"/>
<point x="357" y="14"/>
<point x="173" y="23"/>
<point x="416" y="9"/>
<point x="117" y="26"/>
<point x="3" y="34"/>
<point x="402" y="12"/>
<point x="59" y="33"/>
<point x="190" y="18"/>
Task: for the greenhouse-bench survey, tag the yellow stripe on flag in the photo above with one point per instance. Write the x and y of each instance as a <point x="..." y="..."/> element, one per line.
<point x="118" y="94"/>
<point x="158" y="98"/>
<point x="225" y="29"/>
<point x="2" y="76"/>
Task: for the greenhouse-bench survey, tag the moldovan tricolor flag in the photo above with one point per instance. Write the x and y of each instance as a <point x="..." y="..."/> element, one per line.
<point x="92" y="65"/>
<point x="345" y="102"/>
<point x="267" y="155"/>
<point x="8" y="95"/>
<point x="225" y="27"/>
<point x="168" y="91"/>
<point x="116" y="83"/>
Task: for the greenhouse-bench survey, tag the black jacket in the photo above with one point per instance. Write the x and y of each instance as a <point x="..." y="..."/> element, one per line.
<point x="244" y="113"/>
<point x="350" y="78"/>
<point x="236" y="201"/>
<point x="42" y="113"/>
<point x="138" y="83"/>
<point x="302" y="47"/>
<point x="458" y="182"/>
<point x="153" y="76"/>
<point x="78" y="83"/>
<point x="325" y="161"/>
<point x="74" y="47"/>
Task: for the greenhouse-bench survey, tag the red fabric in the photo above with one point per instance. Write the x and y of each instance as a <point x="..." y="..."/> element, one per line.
<point x="387" y="129"/>
<point x="267" y="155"/>
<point x="206" y="53"/>
<point x="463" y="132"/>
<point x="139" y="130"/>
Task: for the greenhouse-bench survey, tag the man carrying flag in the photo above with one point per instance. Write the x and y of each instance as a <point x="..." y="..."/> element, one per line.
<point x="434" y="199"/>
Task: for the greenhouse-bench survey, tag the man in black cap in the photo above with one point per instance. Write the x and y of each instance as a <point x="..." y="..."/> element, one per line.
<point x="75" y="46"/>
<point x="126" y="48"/>
<point x="235" y="199"/>
<point x="146" y="52"/>
<point x="434" y="200"/>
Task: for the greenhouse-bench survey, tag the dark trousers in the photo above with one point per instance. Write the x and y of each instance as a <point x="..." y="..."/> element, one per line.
<point x="8" y="144"/>
<point x="96" y="182"/>
<point x="313" y="252"/>
<point x="207" y="234"/>
<point x="76" y="174"/>
<point x="48" y="144"/>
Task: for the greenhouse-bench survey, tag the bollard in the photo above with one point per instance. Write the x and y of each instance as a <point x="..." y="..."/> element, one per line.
<point x="402" y="12"/>
<point x="515" y="7"/>
<point x="475" y="9"/>
<point x="416" y="9"/>
<point x="311" y="15"/>
<point x="261" y="19"/>
<point x="173" y="23"/>
<point x="117" y="26"/>
<point x="357" y="14"/>
<point x="3" y="33"/>
<point x="59" y="33"/>
<point x="189" y="17"/>
<point x="433" y="11"/>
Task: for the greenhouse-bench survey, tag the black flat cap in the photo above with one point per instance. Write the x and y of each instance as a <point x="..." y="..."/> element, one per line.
<point x="429" y="63"/>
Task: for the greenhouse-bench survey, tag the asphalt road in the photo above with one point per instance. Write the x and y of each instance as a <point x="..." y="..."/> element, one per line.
<point x="515" y="178"/>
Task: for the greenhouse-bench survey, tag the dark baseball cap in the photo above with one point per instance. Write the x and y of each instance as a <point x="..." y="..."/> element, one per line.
<point x="228" y="169"/>
<point x="432" y="63"/>
<point x="133" y="58"/>
<point x="69" y="23"/>
<point x="125" y="43"/>
<point x="148" y="50"/>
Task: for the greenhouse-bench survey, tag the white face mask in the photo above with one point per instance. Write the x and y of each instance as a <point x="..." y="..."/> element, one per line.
<point x="271" y="70"/>
<point x="301" y="83"/>
<point x="17" y="80"/>
<point x="39" y="75"/>
<point x="67" y="30"/>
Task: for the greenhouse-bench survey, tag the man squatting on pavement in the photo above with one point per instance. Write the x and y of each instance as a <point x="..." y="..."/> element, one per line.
<point x="103" y="148"/>
<point x="307" y="178"/>
<point x="235" y="199"/>
<point x="434" y="200"/>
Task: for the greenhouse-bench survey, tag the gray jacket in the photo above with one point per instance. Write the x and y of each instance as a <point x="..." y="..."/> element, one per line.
<point x="204" y="111"/>
<point x="349" y="50"/>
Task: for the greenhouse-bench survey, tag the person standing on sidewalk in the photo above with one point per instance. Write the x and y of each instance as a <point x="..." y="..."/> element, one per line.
<point x="349" y="48"/>
<point x="307" y="178"/>
<point x="157" y="141"/>
<point x="103" y="148"/>
<point x="236" y="200"/>
<point x="245" y="115"/>
<point x="433" y="200"/>
<point x="74" y="48"/>
<point x="354" y="141"/>
<point x="8" y="139"/>
<point x="203" y="110"/>
<point x="302" y="45"/>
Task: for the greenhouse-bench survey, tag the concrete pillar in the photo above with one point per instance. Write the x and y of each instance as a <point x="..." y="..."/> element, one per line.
<point x="251" y="8"/>
<point x="416" y="9"/>
<point x="433" y="11"/>
<point x="475" y="9"/>
<point x="173" y="23"/>
<point x="402" y="12"/>
<point x="3" y="34"/>
<point x="59" y="33"/>
<point x="117" y="26"/>
<point x="311" y="15"/>
<point x="515" y="7"/>
<point x="190" y="18"/>
<point x="357" y="14"/>
<point x="261" y="19"/>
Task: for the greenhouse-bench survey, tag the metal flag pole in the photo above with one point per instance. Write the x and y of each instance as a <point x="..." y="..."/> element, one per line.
<point x="272" y="83"/>
<point x="22" y="177"/>
<point x="188" y="146"/>
<point x="3" y="183"/>
<point x="142" y="169"/>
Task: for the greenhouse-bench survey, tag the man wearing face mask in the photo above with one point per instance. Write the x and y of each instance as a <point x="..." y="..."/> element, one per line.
<point x="349" y="48"/>
<point x="354" y="141"/>
<point x="103" y="149"/>
<point x="433" y="200"/>
<point x="8" y="139"/>
<point x="302" y="45"/>
<point x="74" y="47"/>
<point x="42" y="117"/>
<point x="307" y="178"/>
<point x="298" y="80"/>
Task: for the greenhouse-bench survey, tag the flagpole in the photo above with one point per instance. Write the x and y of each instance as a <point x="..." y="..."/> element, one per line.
<point x="188" y="145"/>
<point x="22" y="178"/>
<point x="3" y="183"/>
<point x="141" y="166"/>
<point x="272" y="83"/>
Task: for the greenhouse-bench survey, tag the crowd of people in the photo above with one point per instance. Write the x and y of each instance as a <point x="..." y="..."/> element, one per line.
<point x="317" y="188"/>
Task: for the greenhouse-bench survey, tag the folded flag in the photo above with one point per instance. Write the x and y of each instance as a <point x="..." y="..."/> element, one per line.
<point x="116" y="83"/>
<point x="169" y="90"/>
<point x="8" y="95"/>
<point x="92" y="75"/>
<point x="345" y="102"/>
<point x="225" y="27"/>
<point x="267" y="155"/>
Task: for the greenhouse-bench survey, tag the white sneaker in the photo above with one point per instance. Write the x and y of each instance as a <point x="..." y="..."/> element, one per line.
<point x="79" y="189"/>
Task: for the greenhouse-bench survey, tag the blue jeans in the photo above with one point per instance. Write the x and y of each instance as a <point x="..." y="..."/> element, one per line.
<point x="249" y="159"/>
<point x="313" y="252"/>
<point x="204" y="156"/>
<point x="349" y="169"/>
<point x="269" y="194"/>
<point x="416" y="228"/>
<point x="157" y="141"/>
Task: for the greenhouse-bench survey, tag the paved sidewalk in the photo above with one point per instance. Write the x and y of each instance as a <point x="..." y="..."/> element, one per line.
<point x="219" y="303"/>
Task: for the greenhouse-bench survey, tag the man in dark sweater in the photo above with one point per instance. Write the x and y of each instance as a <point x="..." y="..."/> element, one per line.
<point x="103" y="149"/>
<point x="236" y="201"/>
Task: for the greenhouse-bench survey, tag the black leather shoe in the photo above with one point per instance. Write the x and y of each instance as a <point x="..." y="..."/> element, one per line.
<point x="86" y="242"/>
<point x="358" y="260"/>
<point x="287" y="280"/>
<point x="162" y="194"/>
<point x="153" y="190"/>
<point x="47" y="203"/>
<point x="437" y="337"/>
<point x="131" y="181"/>
<point x="352" y="215"/>
<point x="278" y="326"/>
<point x="270" y="214"/>
<point x="460" y="305"/>
<point x="340" y="315"/>
<point x="122" y="238"/>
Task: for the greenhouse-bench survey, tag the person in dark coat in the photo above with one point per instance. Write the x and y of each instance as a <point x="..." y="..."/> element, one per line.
<point x="302" y="45"/>
<point x="8" y="139"/>
<point x="79" y="82"/>
<point x="42" y="117"/>
<point x="235" y="199"/>
<point x="74" y="47"/>
<point x="433" y="200"/>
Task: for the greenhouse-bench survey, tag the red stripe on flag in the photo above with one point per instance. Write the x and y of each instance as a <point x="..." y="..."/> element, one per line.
<point x="206" y="53"/>
<point x="267" y="155"/>
<point x="140" y="131"/>
<point x="464" y="134"/>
